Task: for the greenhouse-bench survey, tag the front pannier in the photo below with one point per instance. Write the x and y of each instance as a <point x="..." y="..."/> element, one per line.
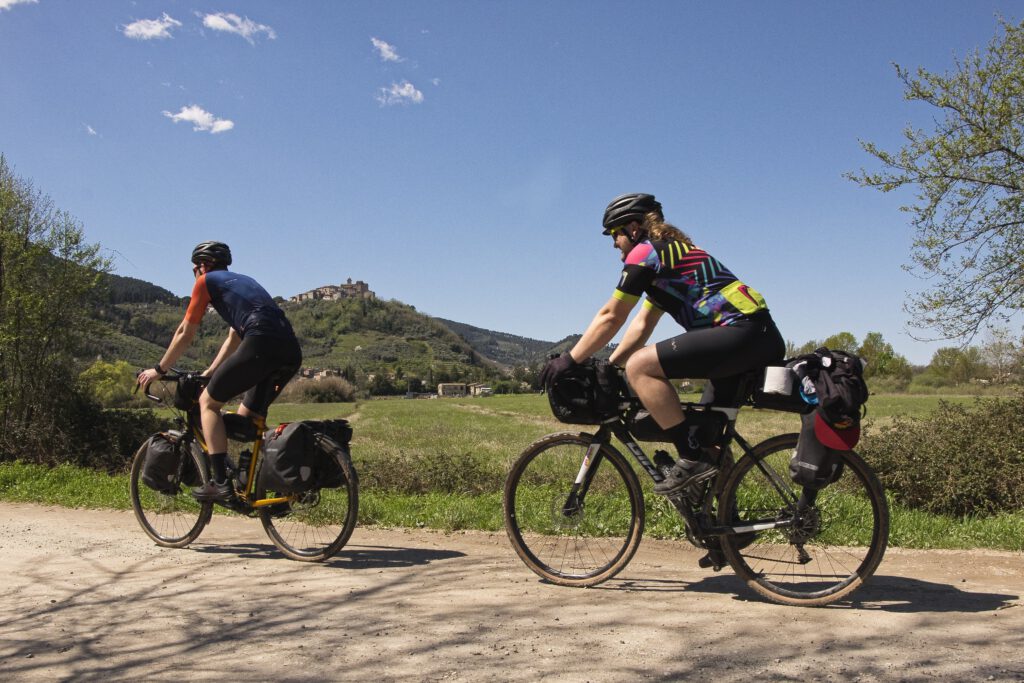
<point x="297" y="459"/>
<point x="814" y="465"/>
<point x="588" y="393"/>
<point x="167" y="465"/>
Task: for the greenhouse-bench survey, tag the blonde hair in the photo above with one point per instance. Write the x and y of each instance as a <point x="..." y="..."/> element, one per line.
<point x="657" y="229"/>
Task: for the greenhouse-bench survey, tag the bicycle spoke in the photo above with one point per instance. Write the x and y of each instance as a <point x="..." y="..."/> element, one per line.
<point x="583" y="545"/>
<point x="818" y="553"/>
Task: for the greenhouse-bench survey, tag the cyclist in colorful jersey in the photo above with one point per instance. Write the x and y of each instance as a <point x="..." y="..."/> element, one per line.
<point x="729" y="330"/>
<point x="258" y="357"/>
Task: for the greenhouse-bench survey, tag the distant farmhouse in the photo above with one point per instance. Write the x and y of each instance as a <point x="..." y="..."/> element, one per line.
<point x="349" y="290"/>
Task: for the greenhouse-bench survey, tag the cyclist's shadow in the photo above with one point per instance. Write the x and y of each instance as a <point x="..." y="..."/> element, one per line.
<point x="898" y="594"/>
<point x="352" y="556"/>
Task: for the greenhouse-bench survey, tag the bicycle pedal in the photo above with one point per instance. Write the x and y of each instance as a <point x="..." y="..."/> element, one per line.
<point x="712" y="562"/>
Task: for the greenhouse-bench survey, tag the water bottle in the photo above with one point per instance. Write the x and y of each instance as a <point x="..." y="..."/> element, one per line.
<point x="244" y="460"/>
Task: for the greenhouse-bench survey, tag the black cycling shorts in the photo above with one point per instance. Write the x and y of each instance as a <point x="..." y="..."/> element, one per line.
<point x="723" y="354"/>
<point x="261" y="367"/>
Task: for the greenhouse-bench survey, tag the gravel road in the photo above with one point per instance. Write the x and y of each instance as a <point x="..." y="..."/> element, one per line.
<point x="86" y="596"/>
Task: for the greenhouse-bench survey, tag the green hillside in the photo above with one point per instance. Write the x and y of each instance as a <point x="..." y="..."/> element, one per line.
<point x="508" y="349"/>
<point x="356" y="337"/>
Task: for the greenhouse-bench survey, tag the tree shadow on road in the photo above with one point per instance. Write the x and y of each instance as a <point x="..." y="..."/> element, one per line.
<point x="350" y="557"/>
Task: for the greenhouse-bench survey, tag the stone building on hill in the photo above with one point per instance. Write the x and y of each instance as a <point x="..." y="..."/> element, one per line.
<point x="349" y="290"/>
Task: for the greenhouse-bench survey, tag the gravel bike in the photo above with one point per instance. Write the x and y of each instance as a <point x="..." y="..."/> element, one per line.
<point x="574" y="508"/>
<point x="310" y="526"/>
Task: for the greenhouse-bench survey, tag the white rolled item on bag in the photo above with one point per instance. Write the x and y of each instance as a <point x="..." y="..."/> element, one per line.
<point x="778" y="380"/>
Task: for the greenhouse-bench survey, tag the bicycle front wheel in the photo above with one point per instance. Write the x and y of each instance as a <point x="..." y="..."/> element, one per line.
<point x="316" y="524"/>
<point x="805" y="550"/>
<point x="569" y="535"/>
<point x="172" y="519"/>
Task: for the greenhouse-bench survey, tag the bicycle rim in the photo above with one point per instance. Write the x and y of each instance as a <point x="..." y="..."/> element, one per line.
<point x="171" y="520"/>
<point x="317" y="524"/>
<point x="572" y="545"/>
<point x="825" y="551"/>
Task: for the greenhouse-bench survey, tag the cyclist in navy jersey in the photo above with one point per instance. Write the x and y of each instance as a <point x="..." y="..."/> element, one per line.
<point x="728" y="327"/>
<point x="258" y="357"/>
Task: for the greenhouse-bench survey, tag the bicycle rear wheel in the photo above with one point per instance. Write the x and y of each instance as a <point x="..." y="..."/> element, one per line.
<point x="567" y="540"/>
<point x="824" y="550"/>
<point x="172" y="520"/>
<point x="316" y="524"/>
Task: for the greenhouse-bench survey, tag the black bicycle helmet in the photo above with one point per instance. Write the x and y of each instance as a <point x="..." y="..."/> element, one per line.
<point x="214" y="253"/>
<point x="627" y="208"/>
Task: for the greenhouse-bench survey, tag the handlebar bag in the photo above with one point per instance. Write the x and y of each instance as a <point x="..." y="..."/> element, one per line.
<point x="588" y="393"/>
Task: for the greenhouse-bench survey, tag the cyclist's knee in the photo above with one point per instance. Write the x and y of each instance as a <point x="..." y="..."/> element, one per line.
<point x="643" y="363"/>
<point x="207" y="402"/>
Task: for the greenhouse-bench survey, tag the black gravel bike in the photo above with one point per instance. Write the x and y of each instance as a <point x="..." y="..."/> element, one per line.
<point x="574" y="509"/>
<point x="310" y="526"/>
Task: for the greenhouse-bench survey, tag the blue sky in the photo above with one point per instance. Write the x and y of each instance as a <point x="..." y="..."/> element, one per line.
<point x="457" y="156"/>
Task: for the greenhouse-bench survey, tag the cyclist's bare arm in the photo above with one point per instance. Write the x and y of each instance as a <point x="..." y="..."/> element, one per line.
<point x="182" y="339"/>
<point x="637" y="334"/>
<point x="229" y="346"/>
<point x="608" y="321"/>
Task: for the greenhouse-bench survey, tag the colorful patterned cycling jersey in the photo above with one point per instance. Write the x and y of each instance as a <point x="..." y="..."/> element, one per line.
<point x="687" y="283"/>
<point x="241" y="301"/>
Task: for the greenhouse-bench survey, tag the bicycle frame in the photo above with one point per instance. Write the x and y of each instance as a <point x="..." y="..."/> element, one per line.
<point x="193" y="432"/>
<point x="698" y="519"/>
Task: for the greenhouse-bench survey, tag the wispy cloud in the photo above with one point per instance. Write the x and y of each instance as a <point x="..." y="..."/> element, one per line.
<point x="241" y="26"/>
<point x="89" y="129"/>
<point x="8" y="4"/>
<point x="201" y="119"/>
<point x="399" y="93"/>
<point x="385" y="51"/>
<point x="150" y="29"/>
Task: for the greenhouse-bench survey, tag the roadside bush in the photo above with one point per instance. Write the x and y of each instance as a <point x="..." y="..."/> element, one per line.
<point x="888" y="385"/>
<point x="326" y="390"/>
<point x="411" y="472"/>
<point x="960" y="460"/>
<point x="111" y="385"/>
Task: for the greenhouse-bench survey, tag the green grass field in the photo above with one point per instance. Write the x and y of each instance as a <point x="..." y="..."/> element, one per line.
<point x="442" y="463"/>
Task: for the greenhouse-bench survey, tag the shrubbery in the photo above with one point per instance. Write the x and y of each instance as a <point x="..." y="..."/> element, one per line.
<point x="326" y="390"/>
<point x="412" y="472"/>
<point x="960" y="460"/>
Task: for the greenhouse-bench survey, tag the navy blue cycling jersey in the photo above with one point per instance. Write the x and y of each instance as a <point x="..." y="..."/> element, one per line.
<point x="241" y="301"/>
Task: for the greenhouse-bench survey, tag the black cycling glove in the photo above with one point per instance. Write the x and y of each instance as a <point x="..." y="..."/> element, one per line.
<point x="556" y="367"/>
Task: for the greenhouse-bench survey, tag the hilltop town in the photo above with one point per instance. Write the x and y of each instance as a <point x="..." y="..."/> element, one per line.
<point x="349" y="290"/>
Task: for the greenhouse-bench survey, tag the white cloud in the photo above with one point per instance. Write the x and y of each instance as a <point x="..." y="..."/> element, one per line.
<point x="386" y="51"/>
<point x="399" y="93"/>
<point x="148" y="29"/>
<point x="89" y="129"/>
<point x="201" y="119"/>
<point x="242" y="26"/>
<point x="8" y="4"/>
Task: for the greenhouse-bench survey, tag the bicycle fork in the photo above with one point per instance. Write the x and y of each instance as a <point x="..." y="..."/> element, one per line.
<point x="578" y="492"/>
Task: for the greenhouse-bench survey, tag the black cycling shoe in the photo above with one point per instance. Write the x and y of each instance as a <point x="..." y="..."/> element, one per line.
<point x="683" y="474"/>
<point x="214" y="492"/>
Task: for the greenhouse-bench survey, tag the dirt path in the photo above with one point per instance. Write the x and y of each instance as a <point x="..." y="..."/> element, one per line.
<point x="85" y="596"/>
